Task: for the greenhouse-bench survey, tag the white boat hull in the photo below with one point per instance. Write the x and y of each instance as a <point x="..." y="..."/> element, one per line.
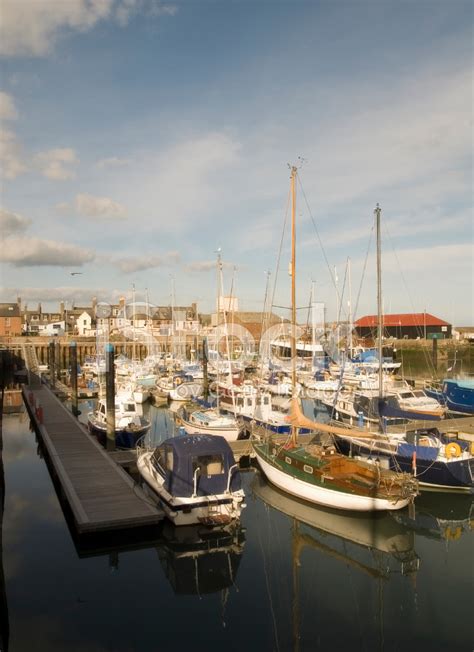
<point x="191" y="510"/>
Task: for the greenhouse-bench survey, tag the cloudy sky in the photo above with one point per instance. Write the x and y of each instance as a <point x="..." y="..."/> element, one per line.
<point x="139" y="136"/>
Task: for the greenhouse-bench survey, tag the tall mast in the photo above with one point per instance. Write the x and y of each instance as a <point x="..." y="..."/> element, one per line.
<point x="218" y="284"/>
<point x="379" y="297"/>
<point x="351" y="343"/>
<point x="313" y="327"/>
<point x="294" y="172"/>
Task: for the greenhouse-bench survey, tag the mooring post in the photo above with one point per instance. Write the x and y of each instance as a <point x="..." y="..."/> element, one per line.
<point x="435" y="354"/>
<point x="204" y="368"/>
<point x="52" y="364"/>
<point x="110" y="395"/>
<point x="73" y="364"/>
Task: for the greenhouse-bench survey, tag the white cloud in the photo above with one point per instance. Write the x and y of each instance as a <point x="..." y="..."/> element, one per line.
<point x="12" y="223"/>
<point x="140" y="263"/>
<point x="33" y="252"/>
<point x="56" y="163"/>
<point x="112" y="162"/>
<point x="63" y="207"/>
<point x="7" y="107"/>
<point x="11" y="157"/>
<point x="184" y="183"/>
<point x="67" y="293"/>
<point x="99" y="207"/>
<point x="205" y="266"/>
<point x="33" y="28"/>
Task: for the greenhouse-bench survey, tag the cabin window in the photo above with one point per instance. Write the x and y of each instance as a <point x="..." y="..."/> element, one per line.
<point x="209" y="464"/>
<point x="308" y="469"/>
<point x="288" y="460"/>
<point x="169" y="458"/>
<point x="266" y="400"/>
<point x="249" y="401"/>
<point x="240" y="401"/>
<point x="102" y="408"/>
<point x="158" y="457"/>
<point x="129" y="407"/>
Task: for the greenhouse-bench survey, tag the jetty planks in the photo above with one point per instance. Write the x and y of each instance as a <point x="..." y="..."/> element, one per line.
<point x="102" y="496"/>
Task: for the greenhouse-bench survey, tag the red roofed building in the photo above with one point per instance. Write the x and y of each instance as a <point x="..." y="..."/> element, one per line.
<point x="409" y="326"/>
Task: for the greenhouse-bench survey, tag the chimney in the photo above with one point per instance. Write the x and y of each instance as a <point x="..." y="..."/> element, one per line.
<point x="18" y="300"/>
<point x="39" y="308"/>
<point x="94" y="304"/>
<point x="61" y="309"/>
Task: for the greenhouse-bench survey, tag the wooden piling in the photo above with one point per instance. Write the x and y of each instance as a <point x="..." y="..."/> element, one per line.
<point x="110" y="395"/>
<point x="73" y="363"/>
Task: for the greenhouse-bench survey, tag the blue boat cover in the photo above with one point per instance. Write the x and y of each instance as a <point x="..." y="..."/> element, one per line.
<point x="422" y="452"/>
<point x="190" y="451"/>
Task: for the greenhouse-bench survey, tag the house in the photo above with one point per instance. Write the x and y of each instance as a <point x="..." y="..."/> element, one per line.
<point x="464" y="333"/>
<point x="85" y="323"/>
<point x="10" y="319"/>
<point x="411" y="326"/>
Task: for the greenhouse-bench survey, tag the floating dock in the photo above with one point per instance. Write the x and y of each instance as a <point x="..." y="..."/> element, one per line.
<point x="101" y="495"/>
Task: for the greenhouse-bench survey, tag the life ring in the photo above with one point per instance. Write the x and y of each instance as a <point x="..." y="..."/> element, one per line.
<point x="453" y="450"/>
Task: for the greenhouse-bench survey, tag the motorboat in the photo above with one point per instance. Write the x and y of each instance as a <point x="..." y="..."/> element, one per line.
<point x="195" y="478"/>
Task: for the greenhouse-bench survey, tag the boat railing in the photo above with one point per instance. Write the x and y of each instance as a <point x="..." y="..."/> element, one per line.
<point x="144" y="445"/>
<point x="229" y="476"/>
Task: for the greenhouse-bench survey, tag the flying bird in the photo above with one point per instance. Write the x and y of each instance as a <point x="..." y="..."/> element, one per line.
<point x="74" y="273"/>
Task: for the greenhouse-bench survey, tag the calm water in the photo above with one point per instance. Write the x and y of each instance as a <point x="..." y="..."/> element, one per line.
<point x="289" y="578"/>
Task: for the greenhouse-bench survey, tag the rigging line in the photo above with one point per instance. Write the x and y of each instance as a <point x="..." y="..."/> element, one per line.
<point x="331" y="274"/>
<point x="342" y="295"/>
<point x="363" y="271"/>
<point x="428" y="359"/>
<point x="277" y="269"/>
<point x="267" y="584"/>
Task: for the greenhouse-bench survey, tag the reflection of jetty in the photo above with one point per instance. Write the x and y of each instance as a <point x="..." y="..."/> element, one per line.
<point x="101" y="495"/>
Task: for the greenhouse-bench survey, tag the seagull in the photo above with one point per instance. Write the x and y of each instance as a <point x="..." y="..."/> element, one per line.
<point x="74" y="273"/>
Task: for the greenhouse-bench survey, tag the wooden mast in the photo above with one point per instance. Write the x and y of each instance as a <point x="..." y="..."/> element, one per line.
<point x="294" y="171"/>
<point x="379" y="299"/>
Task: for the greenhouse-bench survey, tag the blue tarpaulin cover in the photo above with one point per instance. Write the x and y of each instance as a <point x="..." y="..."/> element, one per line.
<point x="186" y="450"/>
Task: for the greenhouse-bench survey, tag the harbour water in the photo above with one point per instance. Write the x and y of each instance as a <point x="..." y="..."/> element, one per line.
<point x="288" y="577"/>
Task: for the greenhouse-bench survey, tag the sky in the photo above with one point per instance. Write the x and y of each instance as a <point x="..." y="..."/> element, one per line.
<point x="140" y="137"/>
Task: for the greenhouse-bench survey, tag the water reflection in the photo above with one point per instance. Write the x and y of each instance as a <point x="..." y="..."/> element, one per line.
<point x="383" y="539"/>
<point x="440" y="516"/>
<point x="199" y="560"/>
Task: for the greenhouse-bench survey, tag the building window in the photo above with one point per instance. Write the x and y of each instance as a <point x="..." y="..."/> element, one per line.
<point x="7" y="321"/>
<point x="84" y="322"/>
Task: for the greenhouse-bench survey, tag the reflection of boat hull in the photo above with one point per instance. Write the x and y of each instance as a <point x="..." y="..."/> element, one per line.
<point x="379" y="531"/>
<point x="199" y="561"/>
<point x="440" y="517"/>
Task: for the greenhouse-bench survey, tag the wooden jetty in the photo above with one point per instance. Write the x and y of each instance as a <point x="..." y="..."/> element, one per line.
<point x="102" y="496"/>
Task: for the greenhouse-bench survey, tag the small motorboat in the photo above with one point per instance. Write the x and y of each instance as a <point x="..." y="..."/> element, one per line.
<point x="129" y="424"/>
<point x="195" y="478"/>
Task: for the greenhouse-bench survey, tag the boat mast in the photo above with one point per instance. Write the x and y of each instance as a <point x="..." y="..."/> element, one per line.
<point x="218" y="271"/>
<point x="379" y="298"/>
<point x="294" y="172"/>
<point x="351" y="326"/>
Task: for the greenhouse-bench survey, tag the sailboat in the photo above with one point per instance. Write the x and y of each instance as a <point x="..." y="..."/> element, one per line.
<point x="316" y="472"/>
<point x="212" y="421"/>
<point x="441" y="461"/>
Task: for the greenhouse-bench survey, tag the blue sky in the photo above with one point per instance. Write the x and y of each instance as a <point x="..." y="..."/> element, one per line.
<point x="138" y="137"/>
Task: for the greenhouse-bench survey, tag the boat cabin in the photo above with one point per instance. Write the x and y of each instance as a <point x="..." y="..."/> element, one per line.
<point x="196" y="464"/>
